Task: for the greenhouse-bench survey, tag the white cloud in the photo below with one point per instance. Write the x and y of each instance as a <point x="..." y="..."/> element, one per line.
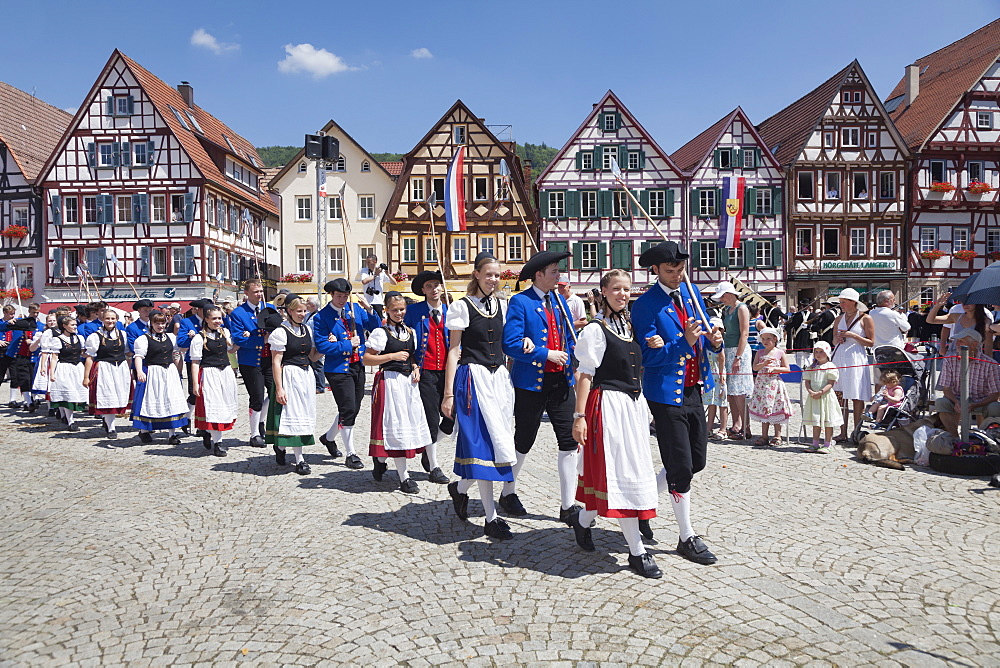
<point x="203" y="39"/>
<point x="422" y="52"/>
<point x="307" y="58"/>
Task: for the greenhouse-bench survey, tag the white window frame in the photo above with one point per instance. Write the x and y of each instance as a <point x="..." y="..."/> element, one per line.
<point x="736" y="256"/>
<point x="975" y="165"/>
<point x="303" y="259"/>
<point x="89" y="209"/>
<point x="930" y="172"/>
<point x="363" y="252"/>
<point x="812" y="185"/>
<point x="984" y="120"/>
<point x="828" y="141"/>
<point x="121" y="105"/>
<point x="502" y="189"/>
<point x="158" y="261"/>
<point x="725" y="158"/>
<point x="872" y="139"/>
<point x="822" y="241"/>
<point x="749" y="159"/>
<point x="366" y="207"/>
<point x="485" y="182"/>
<point x="850" y="137"/>
<point x="764" y="201"/>
<point x="71" y="210"/>
<point x="460" y="249"/>
<point x="341" y="165"/>
<point x="488" y="242"/>
<point x="926" y="296"/>
<point x="335" y="259"/>
<point x="140" y="154"/>
<point x="633" y="160"/>
<point x="608" y="153"/>
<point x="881" y="189"/>
<point x="764" y="253"/>
<point x="587" y="161"/>
<point x="557" y="204"/>
<point x="158" y="208"/>
<point x="459" y="135"/>
<point x="123" y="209"/>
<point x="409" y="249"/>
<point x="20" y="216"/>
<point x="858" y="242"/>
<point x="178" y="262"/>
<point x="303" y="168"/>
<point x="857" y="97"/>
<point x="804" y="234"/>
<point x="417" y="189"/>
<point x="303" y="207"/>
<point x="846" y="97"/>
<point x="657" y="203"/>
<point x="589" y="260"/>
<point x="515" y="248"/>
<point x="827" y="177"/>
<point x="621" y="207"/>
<point x="885" y="243"/>
<point x="992" y="241"/>
<point x="335" y="208"/>
<point x="708" y="254"/>
<point x="863" y="194"/>
<point x="961" y="239"/>
<point x="105" y="155"/>
<point x="707" y="206"/>
<point x="588" y="204"/>
<point x="608" y="122"/>
<point x="928" y="238"/>
<point x="430" y="249"/>
<point x="366" y="166"/>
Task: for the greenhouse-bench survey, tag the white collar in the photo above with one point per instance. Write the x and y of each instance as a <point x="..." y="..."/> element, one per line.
<point x="539" y="292"/>
<point x="670" y="291"/>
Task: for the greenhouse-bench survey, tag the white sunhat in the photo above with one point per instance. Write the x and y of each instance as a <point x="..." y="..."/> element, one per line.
<point x="854" y="296"/>
<point x="724" y="287"/>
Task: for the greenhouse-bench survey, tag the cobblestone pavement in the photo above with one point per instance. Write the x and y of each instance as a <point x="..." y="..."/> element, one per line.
<point x="157" y="555"/>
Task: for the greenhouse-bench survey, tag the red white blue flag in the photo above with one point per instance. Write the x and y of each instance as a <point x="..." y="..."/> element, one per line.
<point x="454" y="193"/>
<point x="733" y="188"/>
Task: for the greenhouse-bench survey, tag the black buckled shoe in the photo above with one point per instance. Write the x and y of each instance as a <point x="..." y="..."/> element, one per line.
<point x="694" y="549"/>
<point x="645" y="566"/>
<point x="302" y="468"/>
<point x="497" y="530"/>
<point x="113" y="435"/>
<point x="279" y="455"/>
<point x="437" y="476"/>
<point x="218" y="450"/>
<point x="30" y="408"/>
<point x="186" y="429"/>
<point x="53" y="412"/>
<point x="353" y="462"/>
<point x="566" y="514"/>
<point x="73" y="427"/>
<point x="145" y="437"/>
<point x="425" y="462"/>
<point x="584" y="535"/>
<point x="174" y="440"/>
<point x="409" y="486"/>
<point x="512" y="505"/>
<point x="331" y="446"/>
<point x="378" y="470"/>
<point x="257" y="442"/>
<point x="645" y="529"/>
<point x="206" y="441"/>
<point x="459" y="501"/>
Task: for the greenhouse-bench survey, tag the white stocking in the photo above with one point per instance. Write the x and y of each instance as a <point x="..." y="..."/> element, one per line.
<point x="216" y="436"/>
<point x="334" y="429"/>
<point x="68" y="414"/>
<point x="464" y="485"/>
<point x="254" y="423"/>
<point x="262" y="416"/>
<point x="109" y="422"/>
<point x="586" y="517"/>
<point x="682" y="513"/>
<point x="26" y="397"/>
<point x="432" y="455"/>
<point x="401" y="468"/>
<point x="630" y="529"/>
<point x="14" y="393"/>
<point x="568" y="478"/>
<point x="511" y="487"/>
<point x="348" y="433"/>
<point x="661" y="481"/>
<point x="486" y="494"/>
<point x="297" y="450"/>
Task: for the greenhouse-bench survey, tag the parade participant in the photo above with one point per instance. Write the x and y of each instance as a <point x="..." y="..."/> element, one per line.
<point x="736" y="340"/>
<point x="159" y="398"/>
<point x="92" y="318"/>
<point x="538" y="336"/>
<point x="577" y="311"/>
<point x="427" y="319"/>
<point x="66" y="372"/>
<point x="215" y="382"/>
<point x="250" y="338"/>
<point x="398" y="424"/>
<point x="611" y="424"/>
<point x="479" y="396"/>
<point x="106" y="372"/>
<point x="340" y="329"/>
<point x="141" y="324"/>
<point x="185" y="332"/>
<point x="5" y="336"/>
<point x="23" y="359"/>
<point x="44" y="345"/>
<point x="374" y="277"/>
<point x="291" y="416"/>
<point x="312" y="308"/>
<point x="673" y="378"/>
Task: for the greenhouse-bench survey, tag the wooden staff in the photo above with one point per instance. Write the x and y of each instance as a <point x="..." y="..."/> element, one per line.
<point x="352" y="325"/>
<point x="114" y="263"/>
<point x="17" y="288"/>
<point x="437" y="251"/>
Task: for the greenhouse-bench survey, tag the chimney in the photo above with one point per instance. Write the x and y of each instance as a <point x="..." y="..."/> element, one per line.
<point x="912" y="82"/>
<point x="187" y="92"/>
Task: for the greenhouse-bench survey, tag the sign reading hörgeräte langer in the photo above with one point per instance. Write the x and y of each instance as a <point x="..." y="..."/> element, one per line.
<point x="855" y="265"/>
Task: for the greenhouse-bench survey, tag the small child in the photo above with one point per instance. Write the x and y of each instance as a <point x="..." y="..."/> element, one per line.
<point x="891" y="395"/>
<point x="820" y="409"/>
<point x="769" y="403"/>
<point x="716" y="400"/>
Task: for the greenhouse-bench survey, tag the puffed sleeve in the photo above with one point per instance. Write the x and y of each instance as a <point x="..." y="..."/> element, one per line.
<point x="590" y="348"/>
<point x="140" y="346"/>
<point x="278" y="340"/>
<point x="377" y="340"/>
<point x="197" y="347"/>
<point x="458" y="316"/>
<point x="832" y="373"/>
<point x="92" y="344"/>
<point x="48" y="343"/>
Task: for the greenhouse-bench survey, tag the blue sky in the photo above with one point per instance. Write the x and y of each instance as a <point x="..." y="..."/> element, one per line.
<point x="386" y="71"/>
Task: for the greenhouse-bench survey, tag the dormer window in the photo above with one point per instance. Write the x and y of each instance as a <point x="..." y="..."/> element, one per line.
<point x="120" y="105"/>
<point x="302" y="168"/>
<point x="610" y="123"/>
<point x="341" y="164"/>
<point x="366" y="166"/>
<point x="458" y="134"/>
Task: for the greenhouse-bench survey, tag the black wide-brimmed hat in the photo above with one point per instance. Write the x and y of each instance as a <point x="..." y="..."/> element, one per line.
<point x="268" y="319"/>
<point x="23" y="325"/>
<point x="539" y="261"/>
<point x="482" y="256"/>
<point x="417" y="286"/>
<point x="667" y="251"/>
<point x="201" y="303"/>
<point x="338" y="285"/>
<point x="142" y="303"/>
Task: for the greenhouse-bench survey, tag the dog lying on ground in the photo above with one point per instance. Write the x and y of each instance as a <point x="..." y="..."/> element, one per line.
<point x="891" y="449"/>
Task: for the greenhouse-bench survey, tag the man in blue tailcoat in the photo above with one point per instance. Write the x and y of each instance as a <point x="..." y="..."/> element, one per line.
<point x="245" y="329"/>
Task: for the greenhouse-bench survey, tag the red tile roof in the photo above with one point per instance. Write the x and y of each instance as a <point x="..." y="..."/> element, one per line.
<point x="787" y="131"/>
<point x="395" y="168"/>
<point x="945" y="76"/>
<point x="691" y="155"/>
<point x="30" y="128"/>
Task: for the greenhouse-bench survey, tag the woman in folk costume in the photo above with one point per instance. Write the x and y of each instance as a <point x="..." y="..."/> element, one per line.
<point x="107" y="373"/>
<point x="611" y="423"/>
<point x="160" y="402"/>
<point x="215" y="382"/>
<point x="291" y="419"/>
<point x="66" y="387"/>
<point x="399" y="424"/>
<point x="479" y="395"/>
<point x="44" y="344"/>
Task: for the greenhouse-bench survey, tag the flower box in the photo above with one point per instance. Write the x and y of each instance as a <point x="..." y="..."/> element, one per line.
<point x="15" y="232"/>
<point x="508" y="275"/>
<point x="965" y="255"/>
<point x="297" y="278"/>
<point x="400" y="276"/>
<point x="979" y="188"/>
<point x="935" y="254"/>
<point x="23" y="293"/>
<point x="993" y="256"/>
<point x="942" y="187"/>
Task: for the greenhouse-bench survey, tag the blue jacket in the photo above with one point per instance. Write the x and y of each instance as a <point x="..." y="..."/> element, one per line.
<point x="663" y="368"/>
<point x="15" y="343"/>
<point x="184" y="334"/>
<point x="526" y="319"/>
<point x="243" y="319"/>
<point x="134" y="331"/>
<point x="418" y="317"/>
<point x="338" y="351"/>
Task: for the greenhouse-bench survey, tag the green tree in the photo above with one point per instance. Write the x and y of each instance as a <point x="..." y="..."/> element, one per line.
<point x="540" y="156"/>
<point x="277" y="156"/>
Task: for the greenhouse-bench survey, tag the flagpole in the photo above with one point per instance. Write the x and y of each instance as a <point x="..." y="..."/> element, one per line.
<point x="17" y="287"/>
<point x="347" y="261"/>
<point x="437" y="251"/>
<point x="505" y="174"/>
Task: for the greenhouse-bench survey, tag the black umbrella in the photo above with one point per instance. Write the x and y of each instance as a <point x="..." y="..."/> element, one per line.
<point x="981" y="288"/>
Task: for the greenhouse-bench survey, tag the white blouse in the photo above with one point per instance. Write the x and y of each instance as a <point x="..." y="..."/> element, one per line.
<point x="458" y="318"/>
<point x="93" y="342"/>
<point x="198" y="344"/>
<point x="141" y="346"/>
<point x="590" y="348"/>
<point x="278" y="339"/>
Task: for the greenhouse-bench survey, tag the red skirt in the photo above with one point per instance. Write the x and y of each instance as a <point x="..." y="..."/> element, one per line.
<point x="592" y="486"/>
<point x="199" y="412"/>
<point x="92" y="408"/>
<point x="376" y="442"/>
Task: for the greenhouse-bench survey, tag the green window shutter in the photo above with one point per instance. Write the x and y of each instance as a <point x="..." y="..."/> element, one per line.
<point x="715" y="157"/>
<point x="577" y="255"/>
<point x="668" y="208"/>
<point x="694" y="201"/>
<point x="642" y="159"/>
<point x="757" y="161"/>
<point x="572" y="203"/>
<point x="543" y="203"/>
<point x="57" y="263"/>
<point x="623" y="157"/>
<point x="776" y="200"/>
<point x="602" y="255"/>
<point x="151" y="153"/>
<point x="92" y="155"/>
<point x="189" y="260"/>
<point x="559" y="247"/>
<point x="140" y="208"/>
<point x="621" y="255"/>
<point x="126" y="154"/>
<point x="720" y="204"/>
<point x="131" y="105"/>
<point x="144" y="261"/>
<point x="110" y="106"/>
<point x="604" y="199"/>
<point x="721" y="255"/>
<point x="102" y="266"/>
<point x="116" y="151"/>
<point x="188" y="207"/>
<point x="56" y="210"/>
<point x="597" y="158"/>
<point x="736" y="157"/>
<point x="695" y="261"/>
<point x="107" y="209"/>
<point x="643" y="201"/>
<point x="749" y="253"/>
<point x="750" y="200"/>
<point x="618" y="120"/>
<point x="579" y="160"/>
<point x="776" y="253"/>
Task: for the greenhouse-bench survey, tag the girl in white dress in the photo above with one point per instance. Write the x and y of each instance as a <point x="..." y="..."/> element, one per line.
<point x="399" y="424"/>
<point x="160" y="401"/>
<point x="40" y="385"/>
<point x="215" y="384"/>
<point x="66" y="387"/>
<point x="853" y="331"/>
<point x="107" y="373"/>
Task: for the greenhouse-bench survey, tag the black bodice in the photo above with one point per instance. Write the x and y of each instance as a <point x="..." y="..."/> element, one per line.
<point x="482" y="340"/>
<point x="621" y="365"/>
<point x="394" y="345"/>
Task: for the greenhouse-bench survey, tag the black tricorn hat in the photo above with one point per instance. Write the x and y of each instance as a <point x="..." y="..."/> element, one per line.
<point x="539" y="261"/>
<point x="482" y="256"/>
<point x="338" y="285"/>
<point x="201" y="303"/>
<point x="417" y="286"/>
<point x="268" y="319"/>
<point x="142" y="303"/>
<point x="23" y="325"/>
<point x="667" y="251"/>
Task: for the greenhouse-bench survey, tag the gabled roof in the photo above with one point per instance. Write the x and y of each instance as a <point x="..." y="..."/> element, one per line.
<point x="30" y="128"/>
<point x="394" y="167"/>
<point x="214" y="132"/>
<point x="331" y="127"/>
<point x="608" y="97"/>
<point x="694" y="153"/>
<point x="786" y="132"/>
<point x="946" y="75"/>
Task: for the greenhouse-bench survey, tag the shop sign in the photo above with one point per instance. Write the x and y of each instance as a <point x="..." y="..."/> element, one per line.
<point x="863" y="265"/>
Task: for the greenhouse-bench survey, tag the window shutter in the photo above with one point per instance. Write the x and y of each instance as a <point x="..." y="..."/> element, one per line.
<point x="776" y="260"/>
<point x="720" y="204"/>
<point x="695" y="255"/>
<point x="623" y="157"/>
<point x="618" y="120"/>
<point x="140" y="208"/>
<point x="116" y="150"/>
<point x="577" y="255"/>
<point x="151" y="153"/>
<point x="602" y="255"/>
<point x="606" y="199"/>
<point x="715" y="157"/>
<point x="721" y="255"/>
<point x="749" y="253"/>
<point x="642" y="159"/>
<point x="750" y="201"/>
<point x="92" y="155"/>
<point x="695" y="209"/>
<point x="126" y="154"/>
<point x="757" y="161"/>
<point x="131" y="105"/>
<point x="110" y="106"/>
<point x="669" y="203"/>
<point x="643" y="202"/>
<point x="102" y="266"/>
<point x="559" y="247"/>
<point x="776" y="200"/>
<point x="543" y="203"/>
<point x="579" y="160"/>
<point x="108" y="209"/>
<point x="735" y="157"/>
<point x="144" y="261"/>
<point x="597" y="158"/>
<point x="621" y="255"/>
<point x="189" y="260"/>
<point x="57" y="263"/>
<point x="188" y="207"/>
<point x="56" y="210"/>
<point x="572" y="203"/>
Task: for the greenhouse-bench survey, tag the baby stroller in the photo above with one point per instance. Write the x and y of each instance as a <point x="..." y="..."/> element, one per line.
<point x="914" y="374"/>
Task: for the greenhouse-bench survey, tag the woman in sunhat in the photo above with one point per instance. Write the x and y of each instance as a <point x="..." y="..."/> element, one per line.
<point x="853" y="332"/>
<point x="736" y="339"/>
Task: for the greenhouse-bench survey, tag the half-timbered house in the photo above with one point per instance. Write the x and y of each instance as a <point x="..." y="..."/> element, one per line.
<point x="584" y="209"/>
<point x="732" y="148"/>
<point x="148" y="187"/>
<point x="845" y="167"/>
<point x="947" y="108"/>
<point x="29" y="130"/>
<point x="499" y="219"/>
<point x="358" y="189"/>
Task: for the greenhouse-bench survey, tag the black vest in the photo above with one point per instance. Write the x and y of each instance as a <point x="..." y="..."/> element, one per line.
<point x="620" y="367"/>
<point x="159" y="353"/>
<point x="110" y="350"/>
<point x="482" y="340"/>
<point x="394" y="345"/>
<point x="297" y="349"/>
<point x="215" y="353"/>
<point x="70" y="352"/>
